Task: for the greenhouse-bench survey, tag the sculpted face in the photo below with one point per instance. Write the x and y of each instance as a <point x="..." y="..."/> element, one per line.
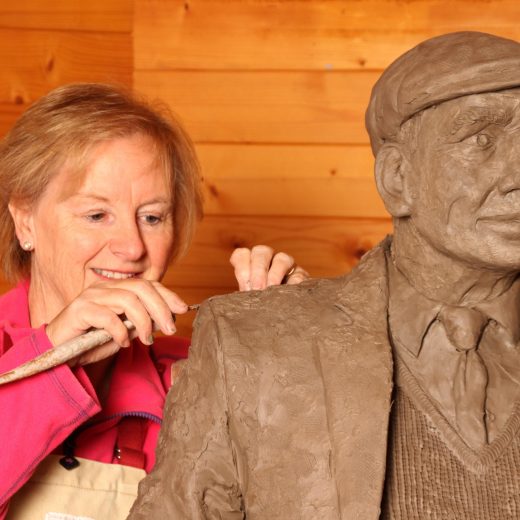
<point x="116" y="224"/>
<point x="464" y="187"/>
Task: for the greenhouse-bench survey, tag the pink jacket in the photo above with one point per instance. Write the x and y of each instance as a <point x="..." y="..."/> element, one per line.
<point x="39" y="413"/>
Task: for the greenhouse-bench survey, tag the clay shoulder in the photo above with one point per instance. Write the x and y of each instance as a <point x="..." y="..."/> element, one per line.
<point x="282" y="325"/>
<point x="359" y="287"/>
<point x="278" y="301"/>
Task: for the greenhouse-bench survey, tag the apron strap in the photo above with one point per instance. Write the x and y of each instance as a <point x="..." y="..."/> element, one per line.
<point x="131" y="432"/>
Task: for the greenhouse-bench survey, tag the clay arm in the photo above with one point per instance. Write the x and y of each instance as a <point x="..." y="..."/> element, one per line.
<point x="195" y="474"/>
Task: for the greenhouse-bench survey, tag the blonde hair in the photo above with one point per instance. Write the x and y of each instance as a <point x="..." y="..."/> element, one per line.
<point x="63" y="127"/>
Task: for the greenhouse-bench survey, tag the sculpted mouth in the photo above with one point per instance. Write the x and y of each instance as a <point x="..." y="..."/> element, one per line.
<point x="116" y="275"/>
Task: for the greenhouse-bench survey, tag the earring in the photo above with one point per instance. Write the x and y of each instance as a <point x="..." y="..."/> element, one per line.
<point x="27" y="246"/>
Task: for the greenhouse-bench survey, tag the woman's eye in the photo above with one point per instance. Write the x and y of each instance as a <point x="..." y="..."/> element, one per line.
<point x="151" y="219"/>
<point x="96" y="217"/>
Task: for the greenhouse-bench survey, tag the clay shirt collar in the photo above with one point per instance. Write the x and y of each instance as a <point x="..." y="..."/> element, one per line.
<point x="411" y="313"/>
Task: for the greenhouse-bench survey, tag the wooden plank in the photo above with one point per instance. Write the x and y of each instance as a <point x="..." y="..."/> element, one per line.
<point x="333" y="197"/>
<point x="290" y="180"/>
<point x="266" y="107"/>
<point x="36" y="61"/>
<point x="302" y="34"/>
<point x="324" y="246"/>
<point x="94" y="15"/>
<point x="223" y="161"/>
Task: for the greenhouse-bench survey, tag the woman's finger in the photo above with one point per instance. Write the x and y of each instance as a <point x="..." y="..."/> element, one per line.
<point x="241" y="261"/>
<point x="79" y="317"/>
<point x="257" y="268"/>
<point x="176" y="304"/>
<point x="299" y="275"/>
<point x="138" y="302"/>
<point x="155" y="302"/>
<point x="281" y="265"/>
<point x="261" y="257"/>
<point x="154" y="307"/>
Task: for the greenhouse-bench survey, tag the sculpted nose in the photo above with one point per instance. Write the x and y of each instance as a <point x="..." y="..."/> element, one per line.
<point x="509" y="181"/>
<point x="127" y="242"/>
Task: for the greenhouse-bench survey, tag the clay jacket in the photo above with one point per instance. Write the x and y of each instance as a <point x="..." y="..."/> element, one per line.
<point x="39" y="413"/>
<point x="282" y="410"/>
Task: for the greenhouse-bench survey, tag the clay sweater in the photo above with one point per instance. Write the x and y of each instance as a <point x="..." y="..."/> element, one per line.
<point x="427" y="479"/>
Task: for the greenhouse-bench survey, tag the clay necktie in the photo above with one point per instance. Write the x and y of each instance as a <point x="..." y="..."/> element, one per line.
<point x="464" y="328"/>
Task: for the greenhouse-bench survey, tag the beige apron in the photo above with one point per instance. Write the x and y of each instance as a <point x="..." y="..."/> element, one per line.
<point x="92" y="491"/>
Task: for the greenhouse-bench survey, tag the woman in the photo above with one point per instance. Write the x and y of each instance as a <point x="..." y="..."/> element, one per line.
<point x="100" y="193"/>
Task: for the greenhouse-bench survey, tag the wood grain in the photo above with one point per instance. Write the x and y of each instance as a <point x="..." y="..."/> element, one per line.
<point x="290" y="180"/>
<point x="277" y="162"/>
<point x="36" y="61"/>
<point x="94" y="15"/>
<point x="265" y="107"/>
<point x="302" y="34"/>
<point x="333" y="197"/>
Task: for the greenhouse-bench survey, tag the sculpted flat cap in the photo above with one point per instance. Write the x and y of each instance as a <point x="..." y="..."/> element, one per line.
<point x="437" y="70"/>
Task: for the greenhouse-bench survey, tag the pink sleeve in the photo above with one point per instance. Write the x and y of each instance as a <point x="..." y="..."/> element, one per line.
<point x="37" y="413"/>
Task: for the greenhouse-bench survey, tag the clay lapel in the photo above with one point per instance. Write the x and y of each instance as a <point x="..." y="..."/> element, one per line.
<point x="356" y="363"/>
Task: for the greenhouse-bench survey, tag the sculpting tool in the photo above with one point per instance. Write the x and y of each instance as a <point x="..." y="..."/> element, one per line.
<point x="65" y="352"/>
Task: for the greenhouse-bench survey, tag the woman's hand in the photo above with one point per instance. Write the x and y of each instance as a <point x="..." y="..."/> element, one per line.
<point x="148" y="305"/>
<point x="259" y="267"/>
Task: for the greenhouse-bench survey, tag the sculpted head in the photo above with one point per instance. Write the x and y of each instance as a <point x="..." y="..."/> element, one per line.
<point x="444" y="124"/>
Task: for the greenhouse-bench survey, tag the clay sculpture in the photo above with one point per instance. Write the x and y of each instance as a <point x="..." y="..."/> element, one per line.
<point x="392" y="392"/>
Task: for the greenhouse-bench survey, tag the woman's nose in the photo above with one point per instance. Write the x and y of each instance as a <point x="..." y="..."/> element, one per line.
<point x="127" y="242"/>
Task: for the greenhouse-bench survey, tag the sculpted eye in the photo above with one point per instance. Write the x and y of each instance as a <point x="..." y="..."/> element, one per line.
<point x="483" y="140"/>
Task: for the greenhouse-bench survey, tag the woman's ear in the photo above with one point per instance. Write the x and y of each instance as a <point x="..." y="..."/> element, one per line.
<point x="391" y="171"/>
<point x="23" y="222"/>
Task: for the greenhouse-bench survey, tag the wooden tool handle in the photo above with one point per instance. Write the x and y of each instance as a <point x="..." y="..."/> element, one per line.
<point x="60" y="354"/>
<point x="65" y="352"/>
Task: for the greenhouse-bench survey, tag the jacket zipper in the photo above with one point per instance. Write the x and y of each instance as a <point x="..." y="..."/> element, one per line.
<point x="69" y="461"/>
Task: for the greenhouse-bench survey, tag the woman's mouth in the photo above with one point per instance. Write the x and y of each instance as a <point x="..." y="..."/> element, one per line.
<point x="113" y="275"/>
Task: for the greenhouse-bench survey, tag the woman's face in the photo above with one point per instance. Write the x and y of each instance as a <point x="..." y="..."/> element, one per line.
<point x="117" y="224"/>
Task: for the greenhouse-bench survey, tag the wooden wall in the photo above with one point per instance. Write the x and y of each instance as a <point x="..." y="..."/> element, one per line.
<point x="272" y="91"/>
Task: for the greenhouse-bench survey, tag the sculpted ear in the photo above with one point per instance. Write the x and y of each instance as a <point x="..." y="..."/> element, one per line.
<point x="391" y="179"/>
